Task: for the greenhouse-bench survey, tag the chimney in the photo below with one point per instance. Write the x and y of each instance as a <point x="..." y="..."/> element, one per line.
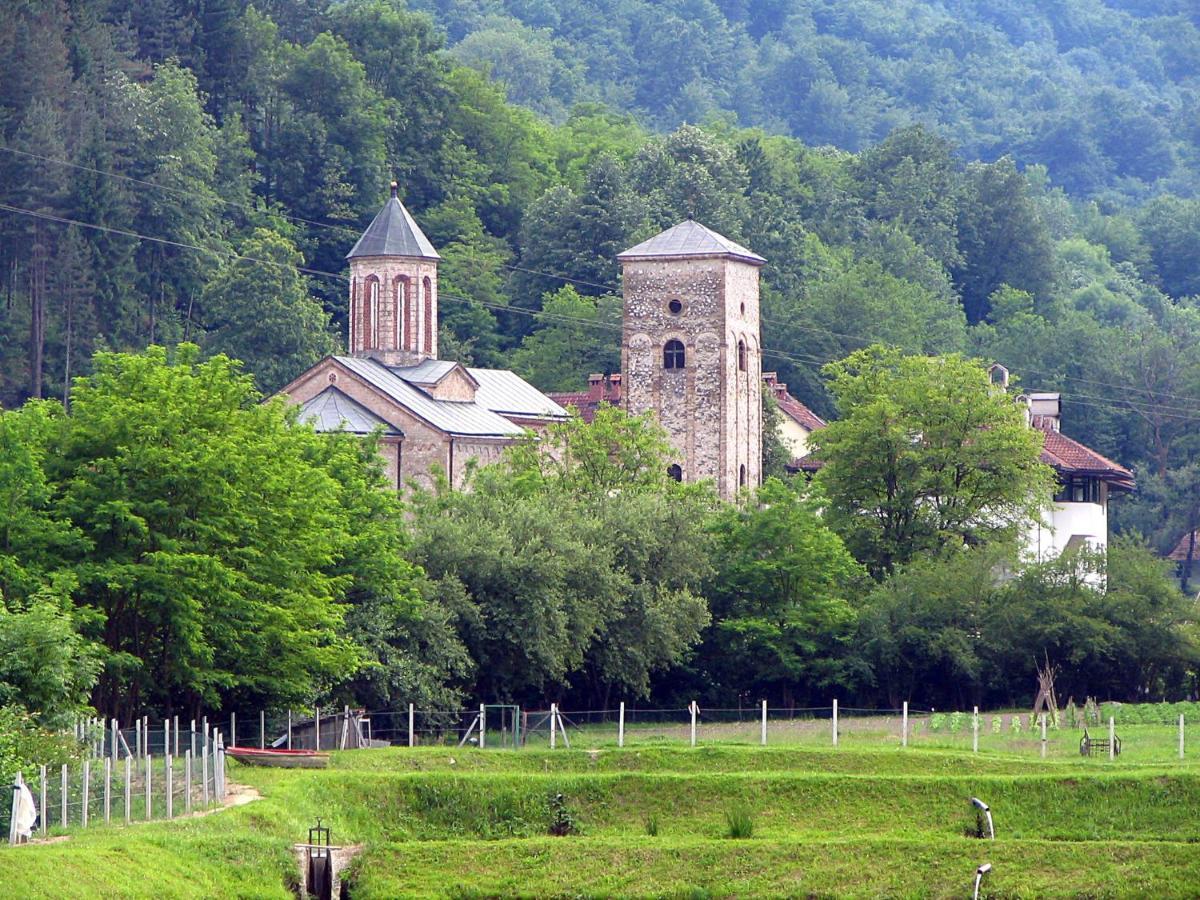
<point x="595" y="387"/>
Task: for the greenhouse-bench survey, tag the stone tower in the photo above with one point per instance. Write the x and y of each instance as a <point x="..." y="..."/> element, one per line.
<point x="690" y="351"/>
<point x="393" y="290"/>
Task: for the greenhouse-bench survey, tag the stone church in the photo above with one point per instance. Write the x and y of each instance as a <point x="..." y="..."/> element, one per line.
<point x="690" y="351"/>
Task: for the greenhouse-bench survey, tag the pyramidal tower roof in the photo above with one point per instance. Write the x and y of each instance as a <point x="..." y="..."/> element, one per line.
<point x="690" y="238"/>
<point x="393" y="233"/>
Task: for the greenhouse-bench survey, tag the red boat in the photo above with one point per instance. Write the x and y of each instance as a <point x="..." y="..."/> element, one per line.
<point x="282" y="759"/>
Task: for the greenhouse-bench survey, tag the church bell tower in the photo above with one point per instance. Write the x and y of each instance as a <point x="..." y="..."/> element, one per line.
<point x="691" y="351"/>
<point x="393" y="289"/>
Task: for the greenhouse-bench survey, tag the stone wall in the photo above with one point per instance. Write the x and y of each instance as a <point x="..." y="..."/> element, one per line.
<point x="711" y="410"/>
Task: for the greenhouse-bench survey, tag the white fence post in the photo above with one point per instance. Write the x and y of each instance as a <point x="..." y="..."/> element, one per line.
<point x="904" y="726"/>
<point x="621" y="725"/>
<point x="412" y="717"/>
<point x="835" y="723"/>
<point x="66" y="785"/>
<point x="107" y="789"/>
<point x="763" y="736"/>
<point x="116" y="737"/>
<point x="128" y="787"/>
<point x="233" y="728"/>
<point x="87" y="778"/>
<point x="1042" y="717"/>
<point x="137" y="738"/>
<point x="192" y="736"/>
<point x="187" y="781"/>
<point x="1181" y="735"/>
<point x="1112" y="737"/>
<point x="553" y="725"/>
<point x="482" y="725"/>
<point x="175" y="720"/>
<point x="975" y="730"/>
<point x="149" y="795"/>
<point x="692" y="707"/>
<point x="204" y="771"/>
<point x="12" y="818"/>
<point x="317" y="723"/>
<point x="289" y="740"/>
<point x="45" y="812"/>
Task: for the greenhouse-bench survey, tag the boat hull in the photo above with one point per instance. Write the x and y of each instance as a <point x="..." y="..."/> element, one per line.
<point x="280" y="759"/>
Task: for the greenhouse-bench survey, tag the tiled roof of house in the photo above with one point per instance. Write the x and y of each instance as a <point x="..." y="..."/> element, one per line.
<point x="1180" y="552"/>
<point x="690" y="238"/>
<point x="393" y="232"/>
<point x="601" y="389"/>
<point x="1068" y="456"/>
<point x="803" y="416"/>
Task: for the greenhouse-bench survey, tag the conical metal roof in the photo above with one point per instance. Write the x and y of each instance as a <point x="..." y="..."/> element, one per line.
<point x="393" y="233"/>
<point x="690" y="238"/>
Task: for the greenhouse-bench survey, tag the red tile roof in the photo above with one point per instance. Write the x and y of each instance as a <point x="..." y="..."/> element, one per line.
<point x="600" y="390"/>
<point x="1068" y="456"/>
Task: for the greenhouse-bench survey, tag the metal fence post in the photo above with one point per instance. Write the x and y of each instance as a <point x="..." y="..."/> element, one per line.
<point x="412" y="738"/>
<point x="692" y="707"/>
<point x="553" y="725"/>
<point x="128" y="787"/>
<point x="621" y="726"/>
<point x="45" y="812"/>
<point x="763" y="737"/>
<point x="482" y="725"/>
<point x="289" y="740"/>
<point x="835" y="723"/>
<point x="65" y="787"/>
<point x="87" y="777"/>
<point x="149" y="795"/>
<point x="233" y="728"/>
<point x="204" y="772"/>
<point x="975" y="730"/>
<point x="1181" y="735"/>
<point x="1112" y="737"/>
<point x="904" y="725"/>
<point x="262" y="729"/>
<point x="107" y="789"/>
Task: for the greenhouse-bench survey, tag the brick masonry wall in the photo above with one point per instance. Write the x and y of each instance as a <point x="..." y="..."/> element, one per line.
<point x="712" y="412"/>
<point x="416" y="335"/>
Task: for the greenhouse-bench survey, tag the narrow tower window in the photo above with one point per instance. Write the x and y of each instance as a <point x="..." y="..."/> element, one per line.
<point x="674" y="356"/>
<point x="401" y="311"/>
<point x="674" y="472"/>
<point x="741" y="476"/>
<point x="741" y="356"/>
<point x="429" y="323"/>
<point x="374" y="313"/>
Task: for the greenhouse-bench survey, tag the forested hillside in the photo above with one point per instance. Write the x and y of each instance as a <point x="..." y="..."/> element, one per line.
<point x="174" y="169"/>
<point x="1103" y="92"/>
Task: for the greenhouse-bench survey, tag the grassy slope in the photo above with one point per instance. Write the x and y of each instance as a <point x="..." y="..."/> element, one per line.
<point x="850" y="821"/>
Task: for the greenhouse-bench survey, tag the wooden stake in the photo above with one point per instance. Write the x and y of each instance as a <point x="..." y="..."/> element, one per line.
<point x="1112" y="738"/>
<point x="1181" y="735"/>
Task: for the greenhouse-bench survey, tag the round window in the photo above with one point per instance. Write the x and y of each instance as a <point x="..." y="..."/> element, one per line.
<point x="675" y="306"/>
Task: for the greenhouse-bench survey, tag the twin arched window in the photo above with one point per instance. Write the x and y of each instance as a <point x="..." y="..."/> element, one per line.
<point x="741" y="356"/>
<point x="674" y="356"/>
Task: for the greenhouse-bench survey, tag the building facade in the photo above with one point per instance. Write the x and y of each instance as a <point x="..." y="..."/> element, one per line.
<point x="691" y="351"/>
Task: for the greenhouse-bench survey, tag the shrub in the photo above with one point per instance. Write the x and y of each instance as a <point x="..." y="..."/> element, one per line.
<point x="739" y="823"/>
<point x="652" y="825"/>
<point x="561" y="822"/>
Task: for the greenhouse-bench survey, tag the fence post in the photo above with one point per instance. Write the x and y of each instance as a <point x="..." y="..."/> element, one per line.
<point x="145" y="735"/>
<point x="553" y="725"/>
<point x="107" y="789"/>
<point x="176" y="722"/>
<point x="763" y="738"/>
<point x="149" y="795"/>
<point x="12" y="819"/>
<point x="204" y="772"/>
<point x="168" y="774"/>
<point x="835" y="723"/>
<point x="693" y="709"/>
<point x="621" y="725"/>
<point x="1042" y="716"/>
<point x="128" y="786"/>
<point x="904" y="726"/>
<point x="87" y="778"/>
<point x="289" y="741"/>
<point x="45" y="812"/>
<point x="137" y="738"/>
<point x="204" y="729"/>
<point x="412" y="715"/>
<point x="482" y="724"/>
<point x="1112" y="736"/>
<point x="262" y="729"/>
<point x="233" y="728"/>
<point x="192" y="736"/>
<point x="1181" y="735"/>
<point x="975" y="730"/>
<point x="116" y="737"/>
<point x="66" y="785"/>
<point x="187" y="781"/>
<point x="317" y="722"/>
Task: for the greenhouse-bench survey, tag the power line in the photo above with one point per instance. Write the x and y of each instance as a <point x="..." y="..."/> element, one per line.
<point x="1141" y="407"/>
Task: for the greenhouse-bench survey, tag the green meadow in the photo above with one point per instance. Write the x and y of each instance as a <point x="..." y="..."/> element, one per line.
<point x="669" y="821"/>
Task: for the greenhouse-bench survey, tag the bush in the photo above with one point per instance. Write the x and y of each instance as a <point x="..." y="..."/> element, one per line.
<point x="24" y="745"/>
<point x="739" y="823"/>
<point x="561" y="822"/>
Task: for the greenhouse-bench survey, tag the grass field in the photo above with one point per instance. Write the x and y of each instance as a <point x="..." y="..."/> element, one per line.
<point x="654" y="820"/>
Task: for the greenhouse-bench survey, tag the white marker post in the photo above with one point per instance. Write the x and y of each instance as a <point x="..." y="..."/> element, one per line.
<point x="553" y="725"/>
<point x="975" y="730"/>
<point x="1043" y="721"/>
<point x="87" y="777"/>
<point x="128" y="786"/>
<point x="763" y="736"/>
<point x="482" y="725"/>
<point x="187" y="781"/>
<point x="835" y="723"/>
<point x="412" y="717"/>
<point x="1112" y="738"/>
<point x="65" y="787"/>
<point x="149" y="795"/>
<point x="904" y="725"/>
<point x="107" y="789"/>
<point x="621" y="725"/>
<point x="693" y="708"/>
<point x="317" y="720"/>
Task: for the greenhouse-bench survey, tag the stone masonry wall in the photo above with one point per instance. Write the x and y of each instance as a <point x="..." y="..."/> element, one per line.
<point x="415" y="344"/>
<point x="712" y="412"/>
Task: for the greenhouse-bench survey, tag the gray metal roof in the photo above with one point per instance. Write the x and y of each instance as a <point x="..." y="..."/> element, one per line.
<point x="452" y="417"/>
<point x="393" y="233"/>
<point x="508" y="393"/>
<point x="427" y="371"/>
<point x="690" y="238"/>
<point x="331" y="410"/>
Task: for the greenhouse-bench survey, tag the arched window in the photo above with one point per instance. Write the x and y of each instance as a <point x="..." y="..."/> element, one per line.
<point x="403" y="305"/>
<point x="741" y="476"/>
<point x="368" y="312"/>
<point x="674" y="356"/>
<point x="429" y="323"/>
<point x="374" y="332"/>
<point x="674" y="472"/>
<point x="741" y="356"/>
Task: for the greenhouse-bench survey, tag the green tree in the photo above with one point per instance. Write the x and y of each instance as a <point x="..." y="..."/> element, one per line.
<point x="578" y="336"/>
<point x="780" y="598"/>
<point x="927" y="453"/>
<point x="258" y="309"/>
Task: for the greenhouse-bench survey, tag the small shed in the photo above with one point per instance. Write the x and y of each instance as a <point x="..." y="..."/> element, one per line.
<point x="340" y="730"/>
